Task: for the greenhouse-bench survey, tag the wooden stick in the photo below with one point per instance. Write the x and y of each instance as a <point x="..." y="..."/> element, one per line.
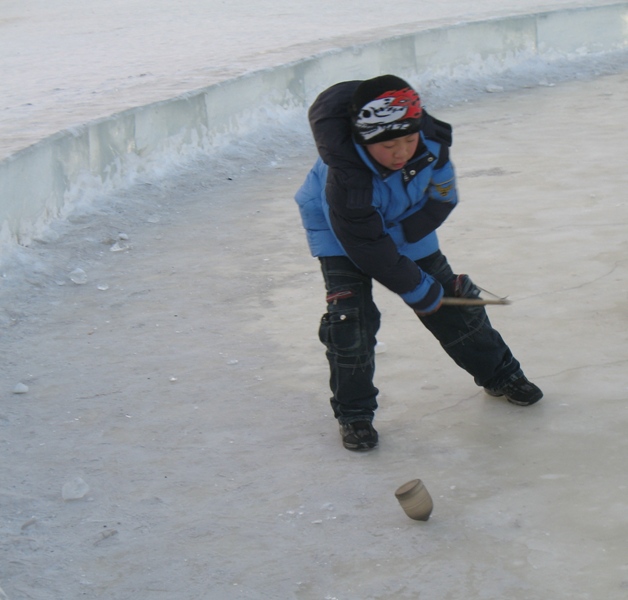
<point x="450" y="301"/>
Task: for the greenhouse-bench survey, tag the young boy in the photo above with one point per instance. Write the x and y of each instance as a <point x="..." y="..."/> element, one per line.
<point x="370" y="207"/>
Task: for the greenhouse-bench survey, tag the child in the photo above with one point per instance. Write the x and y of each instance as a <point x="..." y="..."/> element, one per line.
<point x="370" y="206"/>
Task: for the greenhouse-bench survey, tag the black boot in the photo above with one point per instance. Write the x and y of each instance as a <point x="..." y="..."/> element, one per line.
<point x="520" y="391"/>
<point x="358" y="435"/>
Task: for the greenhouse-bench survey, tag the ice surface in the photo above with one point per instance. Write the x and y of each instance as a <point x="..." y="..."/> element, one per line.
<point x="232" y="482"/>
<point x="235" y="466"/>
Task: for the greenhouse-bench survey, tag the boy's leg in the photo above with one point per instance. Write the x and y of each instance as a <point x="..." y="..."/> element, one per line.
<point x="348" y="331"/>
<point x="466" y="334"/>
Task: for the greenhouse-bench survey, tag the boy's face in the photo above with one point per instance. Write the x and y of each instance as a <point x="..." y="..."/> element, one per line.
<point x="394" y="154"/>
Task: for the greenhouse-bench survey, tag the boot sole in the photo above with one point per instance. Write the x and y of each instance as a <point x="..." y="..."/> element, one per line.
<point x="516" y="402"/>
<point x="360" y="447"/>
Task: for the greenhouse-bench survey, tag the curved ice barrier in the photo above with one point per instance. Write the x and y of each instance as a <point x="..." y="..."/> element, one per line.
<point x="44" y="181"/>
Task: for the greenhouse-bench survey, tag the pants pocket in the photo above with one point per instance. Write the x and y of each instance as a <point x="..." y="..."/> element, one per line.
<point x="341" y="333"/>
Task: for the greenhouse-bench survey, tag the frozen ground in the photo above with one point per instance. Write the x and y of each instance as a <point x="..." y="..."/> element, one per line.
<point x="184" y="384"/>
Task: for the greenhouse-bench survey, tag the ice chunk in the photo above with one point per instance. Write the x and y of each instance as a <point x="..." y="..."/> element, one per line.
<point x="75" y="489"/>
<point x="78" y="276"/>
<point x="118" y="247"/>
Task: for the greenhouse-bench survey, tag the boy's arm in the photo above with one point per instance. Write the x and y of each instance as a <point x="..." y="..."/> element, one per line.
<point x="329" y="120"/>
<point x="349" y="190"/>
<point x="360" y="231"/>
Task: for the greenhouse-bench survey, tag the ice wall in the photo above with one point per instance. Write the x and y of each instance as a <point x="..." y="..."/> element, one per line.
<point x="43" y="181"/>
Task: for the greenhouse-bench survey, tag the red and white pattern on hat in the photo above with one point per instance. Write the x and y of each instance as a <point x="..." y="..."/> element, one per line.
<point x="388" y="113"/>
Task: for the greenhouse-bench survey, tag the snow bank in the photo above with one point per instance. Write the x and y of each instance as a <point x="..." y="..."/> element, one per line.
<point x="49" y="179"/>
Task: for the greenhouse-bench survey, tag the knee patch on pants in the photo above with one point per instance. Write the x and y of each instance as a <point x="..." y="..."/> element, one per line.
<point x="347" y="328"/>
<point x="342" y="333"/>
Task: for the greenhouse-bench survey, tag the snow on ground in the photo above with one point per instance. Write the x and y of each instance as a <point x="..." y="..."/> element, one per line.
<point x="68" y="62"/>
<point x="183" y="383"/>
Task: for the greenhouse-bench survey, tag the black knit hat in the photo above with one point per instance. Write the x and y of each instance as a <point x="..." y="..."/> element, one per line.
<point x="384" y="108"/>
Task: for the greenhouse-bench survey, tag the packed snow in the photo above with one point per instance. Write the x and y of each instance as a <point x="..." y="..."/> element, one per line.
<point x="165" y="425"/>
<point x="68" y="62"/>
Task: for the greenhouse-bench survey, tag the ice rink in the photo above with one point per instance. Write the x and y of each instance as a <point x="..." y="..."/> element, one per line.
<point x="166" y="336"/>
